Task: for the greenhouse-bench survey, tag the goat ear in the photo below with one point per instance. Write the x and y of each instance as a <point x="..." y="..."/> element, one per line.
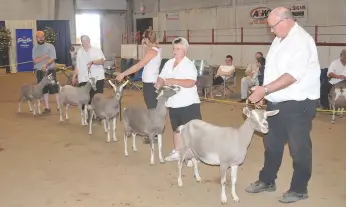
<point x="272" y="113"/>
<point x="113" y="86"/>
<point x="246" y="111"/>
<point x="124" y="84"/>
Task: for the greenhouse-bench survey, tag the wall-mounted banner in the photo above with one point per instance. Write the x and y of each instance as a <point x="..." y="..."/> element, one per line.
<point x="24" y="47"/>
<point x="299" y="11"/>
<point x="259" y="15"/>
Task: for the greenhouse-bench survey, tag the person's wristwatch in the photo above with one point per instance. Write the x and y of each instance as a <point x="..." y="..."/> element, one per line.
<point x="266" y="90"/>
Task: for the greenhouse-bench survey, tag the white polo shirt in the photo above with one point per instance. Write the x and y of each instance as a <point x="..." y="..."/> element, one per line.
<point x="83" y="58"/>
<point x="184" y="70"/>
<point x="296" y="55"/>
<point x="337" y="68"/>
<point x="227" y="69"/>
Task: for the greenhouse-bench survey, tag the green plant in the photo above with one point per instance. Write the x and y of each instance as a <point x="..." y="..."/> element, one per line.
<point x="5" y="38"/>
<point x="50" y="35"/>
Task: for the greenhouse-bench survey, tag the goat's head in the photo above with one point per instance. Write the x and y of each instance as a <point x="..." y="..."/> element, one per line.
<point x="48" y="79"/>
<point x="118" y="89"/>
<point x="257" y="118"/>
<point x="92" y="82"/>
<point x="166" y="92"/>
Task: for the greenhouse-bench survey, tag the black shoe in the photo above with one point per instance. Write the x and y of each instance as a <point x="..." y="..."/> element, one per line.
<point x="291" y="197"/>
<point x="260" y="186"/>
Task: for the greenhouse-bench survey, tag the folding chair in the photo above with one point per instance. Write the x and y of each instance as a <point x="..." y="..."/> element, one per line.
<point x="226" y="85"/>
<point x="136" y="78"/>
<point x="163" y="61"/>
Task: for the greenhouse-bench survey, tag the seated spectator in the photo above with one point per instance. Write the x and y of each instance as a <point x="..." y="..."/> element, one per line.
<point x="261" y="66"/>
<point x="251" y="78"/>
<point x="336" y="74"/>
<point x="224" y="72"/>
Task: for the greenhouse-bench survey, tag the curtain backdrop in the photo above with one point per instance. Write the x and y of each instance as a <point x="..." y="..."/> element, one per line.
<point x="12" y="26"/>
<point x="63" y="42"/>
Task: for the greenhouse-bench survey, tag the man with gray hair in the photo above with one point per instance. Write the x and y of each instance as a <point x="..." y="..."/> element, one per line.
<point x="292" y="86"/>
<point x="89" y="63"/>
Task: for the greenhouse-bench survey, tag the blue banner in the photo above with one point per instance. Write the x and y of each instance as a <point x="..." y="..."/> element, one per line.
<point x="24" y="40"/>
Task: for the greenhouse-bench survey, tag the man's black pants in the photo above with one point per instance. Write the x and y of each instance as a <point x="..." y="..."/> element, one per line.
<point x="291" y="125"/>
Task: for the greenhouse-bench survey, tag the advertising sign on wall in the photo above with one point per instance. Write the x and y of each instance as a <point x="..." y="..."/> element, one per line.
<point x="259" y="15"/>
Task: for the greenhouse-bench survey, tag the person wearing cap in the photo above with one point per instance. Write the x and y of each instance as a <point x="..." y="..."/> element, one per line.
<point x="185" y="105"/>
<point x="89" y="63"/>
<point x="44" y="56"/>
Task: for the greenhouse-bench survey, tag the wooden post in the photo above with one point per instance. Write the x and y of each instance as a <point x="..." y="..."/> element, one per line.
<point x="241" y="34"/>
<point x="188" y="35"/>
<point x="315" y="33"/>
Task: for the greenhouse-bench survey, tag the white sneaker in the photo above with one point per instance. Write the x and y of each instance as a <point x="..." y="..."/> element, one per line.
<point x="173" y="156"/>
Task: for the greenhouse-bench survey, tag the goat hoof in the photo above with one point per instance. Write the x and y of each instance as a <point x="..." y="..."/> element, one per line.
<point x="180" y="183"/>
<point x="236" y="199"/>
<point x="115" y="140"/>
<point x="135" y="149"/>
<point x="108" y="141"/>
<point x="161" y="161"/>
<point x="333" y="122"/>
<point x="126" y="155"/>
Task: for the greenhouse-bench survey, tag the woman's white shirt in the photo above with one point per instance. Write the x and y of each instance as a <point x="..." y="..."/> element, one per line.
<point x="184" y="70"/>
<point x="151" y="69"/>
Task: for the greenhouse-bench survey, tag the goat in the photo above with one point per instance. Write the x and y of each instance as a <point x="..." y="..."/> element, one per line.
<point x="337" y="99"/>
<point x="107" y="108"/>
<point x="31" y="93"/>
<point x="223" y="146"/>
<point x="76" y="96"/>
<point x="148" y="122"/>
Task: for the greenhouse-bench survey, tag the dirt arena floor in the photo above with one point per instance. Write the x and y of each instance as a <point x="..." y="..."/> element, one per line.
<point x="47" y="163"/>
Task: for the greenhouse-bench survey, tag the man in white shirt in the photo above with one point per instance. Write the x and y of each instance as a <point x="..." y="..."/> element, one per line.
<point x="89" y="63"/>
<point x="224" y="72"/>
<point x="292" y="86"/>
<point x="251" y="78"/>
<point x="336" y="74"/>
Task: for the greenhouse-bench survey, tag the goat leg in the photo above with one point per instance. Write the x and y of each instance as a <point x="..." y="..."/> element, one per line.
<point x="180" y="165"/>
<point x="91" y="122"/>
<point x="126" y="144"/>
<point x="34" y="108"/>
<point x="66" y="111"/>
<point x="160" y="146"/>
<point x="61" y="112"/>
<point x="151" y="143"/>
<point x="39" y="105"/>
<point x="223" y="180"/>
<point x="85" y="115"/>
<point x="82" y="115"/>
<point x="233" y="178"/>
<point x="19" y="104"/>
<point x="105" y="125"/>
<point x="30" y="108"/>
<point x="114" y="129"/>
<point x="333" y="116"/>
<point x="134" y="142"/>
<point x="196" y="170"/>
<point x="108" y="130"/>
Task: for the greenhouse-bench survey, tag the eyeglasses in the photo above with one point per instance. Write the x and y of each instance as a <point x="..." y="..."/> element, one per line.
<point x="277" y="23"/>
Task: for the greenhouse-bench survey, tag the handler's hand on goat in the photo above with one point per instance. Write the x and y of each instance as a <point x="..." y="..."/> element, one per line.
<point x="120" y="77"/>
<point x="257" y="95"/>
